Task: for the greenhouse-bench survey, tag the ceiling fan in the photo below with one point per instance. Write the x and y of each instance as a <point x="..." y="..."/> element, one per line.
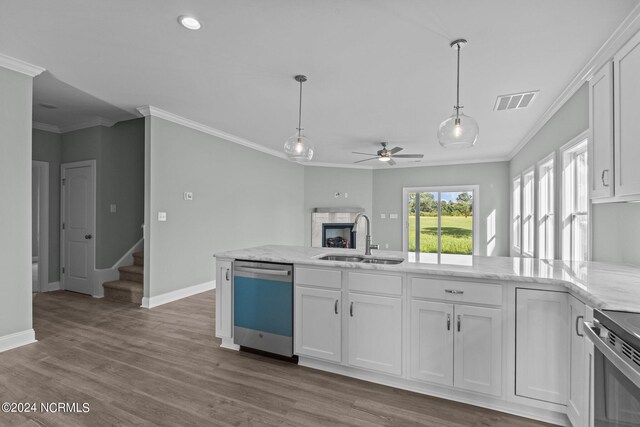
<point x="385" y="155"/>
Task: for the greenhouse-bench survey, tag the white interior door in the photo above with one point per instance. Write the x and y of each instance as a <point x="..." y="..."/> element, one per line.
<point x="78" y="226"/>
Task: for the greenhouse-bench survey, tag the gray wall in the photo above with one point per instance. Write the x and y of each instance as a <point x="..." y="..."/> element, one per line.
<point x="241" y="198"/>
<point x="15" y="210"/>
<point x="321" y="184"/>
<point x="493" y="179"/>
<point x="119" y="155"/>
<point x="47" y="147"/>
<point x="568" y="122"/>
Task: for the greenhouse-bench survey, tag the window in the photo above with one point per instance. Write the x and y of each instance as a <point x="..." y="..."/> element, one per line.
<point x="516" y="217"/>
<point x="546" y="206"/>
<point x="575" y="201"/>
<point x="440" y="223"/>
<point x="528" y="225"/>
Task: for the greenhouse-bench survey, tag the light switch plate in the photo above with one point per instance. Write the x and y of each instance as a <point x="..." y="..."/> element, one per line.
<point x="162" y="216"/>
<point x="188" y="195"/>
<point x="383" y="216"/>
<point x="393" y="216"/>
<point x="112" y="208"/>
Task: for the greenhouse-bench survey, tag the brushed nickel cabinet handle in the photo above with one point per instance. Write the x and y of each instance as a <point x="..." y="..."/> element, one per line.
<point x="351" y="309"/>
<point x="454" y="291"/>
<point x="577" y="324"/>
<point x="459" y="323"/>
<point x="448" y="322"/>
<point x="604" y="184"/>
<point x="227" y="275"/>
<point x="335" y="307"/>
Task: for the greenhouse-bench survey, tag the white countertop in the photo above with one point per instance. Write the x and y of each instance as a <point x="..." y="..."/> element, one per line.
<point x="601" y="285"/>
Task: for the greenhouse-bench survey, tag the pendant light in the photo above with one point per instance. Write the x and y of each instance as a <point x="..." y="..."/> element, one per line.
<point x="458" y="131"/>
<point x="298" y="148"/>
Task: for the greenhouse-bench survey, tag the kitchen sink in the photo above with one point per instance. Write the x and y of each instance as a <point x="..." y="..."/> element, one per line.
<point x="382" y="261"/>
<point x="358" y="258"/>
<point x="344" y="258"/>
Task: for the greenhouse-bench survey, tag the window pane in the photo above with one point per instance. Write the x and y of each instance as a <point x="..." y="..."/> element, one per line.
<point x="527" y="215"/>
<point x="580" y="233"/>
<point x="429" y="222"/>
<point x="582" y="189"/>
<point x="456" y="223"/>
<point x="515" y="197"/>
<point x="545" y="211"/>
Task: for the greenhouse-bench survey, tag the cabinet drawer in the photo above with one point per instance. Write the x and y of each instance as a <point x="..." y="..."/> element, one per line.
<point x="318" y="277"/>
<point x="375" y="283"/>
<point x="458" y="291"/>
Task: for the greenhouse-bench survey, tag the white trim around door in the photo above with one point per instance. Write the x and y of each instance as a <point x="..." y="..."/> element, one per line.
<point x="43" y="224"/>
<point x="91" y="259"/>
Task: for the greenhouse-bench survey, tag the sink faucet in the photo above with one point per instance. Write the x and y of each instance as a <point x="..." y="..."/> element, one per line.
<point x="367" y="245"/>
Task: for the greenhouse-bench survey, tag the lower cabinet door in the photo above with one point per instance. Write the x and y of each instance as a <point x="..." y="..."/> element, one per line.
<point x="224" y="316"/>
<point x="478" y="349"/>
<point x="542" y="337"/>
<point x="577" y="393"/>
<point x="431" y="343"/>
<point x="375" y="333"/>
<point x="317" y="323"/>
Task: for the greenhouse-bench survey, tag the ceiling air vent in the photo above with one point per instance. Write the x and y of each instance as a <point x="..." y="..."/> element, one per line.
<point x="515" y="101"/>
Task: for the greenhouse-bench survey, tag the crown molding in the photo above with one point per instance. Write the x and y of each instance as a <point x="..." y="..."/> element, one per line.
<point x="444" y="163"/>
<point x="19" y="66"/>
<point x="96" y="121"/>
<point x="152" y="111"/>
<point x="45" y="127"/>
<point x="337" y="165"/>
<point x="628" y="27"/>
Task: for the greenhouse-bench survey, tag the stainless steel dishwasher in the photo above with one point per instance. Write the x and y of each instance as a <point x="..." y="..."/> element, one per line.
<point x="263" y="306"/>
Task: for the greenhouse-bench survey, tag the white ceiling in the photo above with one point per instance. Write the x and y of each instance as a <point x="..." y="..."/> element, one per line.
<point x="377" y="70"/>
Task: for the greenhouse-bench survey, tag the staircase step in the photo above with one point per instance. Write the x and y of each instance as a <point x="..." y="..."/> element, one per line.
<point x="138" y="258"/>
<point x="123" y="291"/>
<point x="133" y="273"/>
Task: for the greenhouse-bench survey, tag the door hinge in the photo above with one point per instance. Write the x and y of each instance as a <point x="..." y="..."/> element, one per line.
<point x="64" y="181"/>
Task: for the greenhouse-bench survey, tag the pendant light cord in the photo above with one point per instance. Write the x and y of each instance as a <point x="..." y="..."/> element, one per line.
<point x="300" y="111"/>
<point x="457" y="85"/>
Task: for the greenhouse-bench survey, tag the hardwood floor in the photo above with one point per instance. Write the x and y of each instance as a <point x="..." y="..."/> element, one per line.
<point x="163" y="367"/>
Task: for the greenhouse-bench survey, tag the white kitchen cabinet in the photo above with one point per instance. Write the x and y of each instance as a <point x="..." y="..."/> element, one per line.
<point x="317" y="323"/>
<point x="375" y="333"/>
<point x="626" y="65"/>
<point x="542" y="336"/>
<point x="577" y="393"/>
<point x="224" y="303"/>
<point x="601" y="125"/>
<point x="478" y="349"/>
<point x="457" y="345"/>
<point x="431" y="343"/>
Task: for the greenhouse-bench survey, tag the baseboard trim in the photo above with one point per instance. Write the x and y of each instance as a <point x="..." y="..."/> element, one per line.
<point x="150" y="302"/>
<point x="17" y="339"/>
<point x="52" y="286"/>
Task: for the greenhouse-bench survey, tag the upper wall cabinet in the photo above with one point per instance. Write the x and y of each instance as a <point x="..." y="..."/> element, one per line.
<point x="626" y="65"/>
<point x="601" y="125"/>
<point x="614" y="107"/>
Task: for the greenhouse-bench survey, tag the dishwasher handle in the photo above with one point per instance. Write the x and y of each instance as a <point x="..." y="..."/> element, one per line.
<point x="268" y="271"/>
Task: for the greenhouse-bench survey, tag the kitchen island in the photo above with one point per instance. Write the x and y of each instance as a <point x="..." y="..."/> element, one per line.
<point x="498" y="332"/>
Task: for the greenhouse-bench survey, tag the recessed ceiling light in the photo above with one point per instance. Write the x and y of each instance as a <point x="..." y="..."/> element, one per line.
<point x="189" y="22"/>
<point x="48" y="106"/>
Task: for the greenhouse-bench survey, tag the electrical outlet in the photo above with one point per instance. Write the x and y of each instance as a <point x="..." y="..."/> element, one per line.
<point x="188" y="195"/>
<point x="383" y="216"/>
<point x="112" y="208"/>
<point x="162" y="216"/>
<point x="346" y="195"/>
<point x="393" y="216"/>
<point x="386" y="246"/>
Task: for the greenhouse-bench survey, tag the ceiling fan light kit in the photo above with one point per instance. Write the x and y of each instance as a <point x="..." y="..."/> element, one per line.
<point x="459" y="130"/>
<point x="298" y="147"/>
<point x="387" y="156"/>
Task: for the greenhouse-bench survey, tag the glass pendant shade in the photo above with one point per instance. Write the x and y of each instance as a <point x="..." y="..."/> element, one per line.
<point x="458" y="131"/>
<point x="298" y="148"/>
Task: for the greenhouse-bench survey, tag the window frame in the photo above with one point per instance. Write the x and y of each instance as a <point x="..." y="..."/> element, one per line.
<point x="475" y="188"/>
<point x="548" y="218"/>
<point x="516" y="217"/>
<point x="568" y="197"/>
<point x="526" y="217"/>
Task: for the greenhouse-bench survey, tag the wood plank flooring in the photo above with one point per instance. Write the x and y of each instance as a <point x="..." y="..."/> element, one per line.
<point x="163" y="367"/>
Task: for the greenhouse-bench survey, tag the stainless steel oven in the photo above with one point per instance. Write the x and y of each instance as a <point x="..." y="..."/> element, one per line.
<point x="616" y="368"/>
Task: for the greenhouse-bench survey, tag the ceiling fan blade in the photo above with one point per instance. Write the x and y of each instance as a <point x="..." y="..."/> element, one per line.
<point x="391" y="162"/>
<point x="395" y="150"/>
<point x="365" y="160"/>
<point x="409" y="156"/>
<point x="366" y="154"/>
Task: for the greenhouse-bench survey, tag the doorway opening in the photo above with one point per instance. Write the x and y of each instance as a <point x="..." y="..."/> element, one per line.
<point x="39" y="226"/>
